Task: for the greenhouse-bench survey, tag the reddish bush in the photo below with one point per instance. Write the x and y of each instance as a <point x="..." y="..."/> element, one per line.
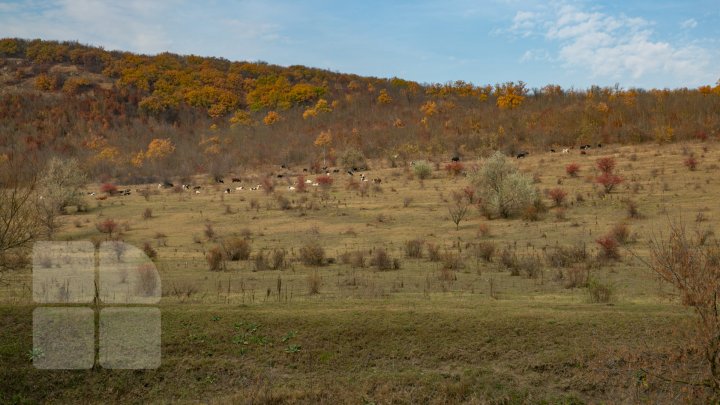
<point x="608" y="248"/>
<point x="572" y="169"/>
<point x="609" y="181"/>
<point x="469" y="194"/>
<point x="108" y="188"/>
<point x="454" y="168"/>
<point x="268" y="185"/>
<point x="300" y="185"/>
<point x="691" y="163"/>
<point x="558" y="196"/>
<point x="107" y="226"/>
<point x="606" y="164"/>
<point x="324" y="181"/>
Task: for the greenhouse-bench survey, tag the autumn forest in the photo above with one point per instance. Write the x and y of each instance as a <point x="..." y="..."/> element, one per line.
<point x="139" y="117"/>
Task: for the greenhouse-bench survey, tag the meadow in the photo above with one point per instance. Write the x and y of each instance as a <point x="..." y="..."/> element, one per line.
<point x="404" y="306"/>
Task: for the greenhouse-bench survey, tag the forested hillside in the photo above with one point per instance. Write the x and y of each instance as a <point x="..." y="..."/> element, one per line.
<point x="140" y="117"/>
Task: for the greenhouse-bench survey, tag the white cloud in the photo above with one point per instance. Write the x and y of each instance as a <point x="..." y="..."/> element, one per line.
<point x="689" y="23"/>
<point x="614" y="47"/>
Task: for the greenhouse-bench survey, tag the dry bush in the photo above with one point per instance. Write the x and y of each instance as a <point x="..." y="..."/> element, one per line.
<point x="268" y="185"/>
<point x="422" y="170"/>
<point x="530" y="213"/>
<point x="260" y="261"/>
<point x="621" y="233"/>
<point x="413" y="248"/>
<point x="454" y="168"/>
<point x="600" y="292"/>
<point x="530" y="266"/>
<point x="278" y="259"/>
<point x="254" y="204"/>
<point x="609" y="248"/>
<point x="355" y="259"/>
<point x="575" y="277"/>
<point x="446" y="274"/>
<point x="691" y="163"/>
<point x="215" y="259"/>
<point x="147" y="213"/>
<point x="148" y="280"/>
<point x="458" y="212"/>
<point x="632" y="209"/>
<point x="312" y="254"/>
<point x="693" y="269"/>
<point x="108" y="226"/>
<point x="485" y="251"/>
<point x="484" y="230"/>
<point x="382" y="260"/>
<point x="314" y="281"/>
<point x="324" y="181"/>
<point x="236" y="249"/>
<point x="565" y="256"/>
<point x="283" y="202"/>
<point x="210" y="232"/>
<point x="433" y="251"/>
<point x="557" y="195"/>
<point x="509" y="261"/>
<point x="572" y="169"/>
<point x="149" y="250"/>
<point x="109" y="188"/>
<point x="452" y="261"/>
<point x="407" y="201"/>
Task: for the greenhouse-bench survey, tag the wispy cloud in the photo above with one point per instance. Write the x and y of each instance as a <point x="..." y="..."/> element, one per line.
<point x="615" y="47"/>
<point x="689" y="23"/>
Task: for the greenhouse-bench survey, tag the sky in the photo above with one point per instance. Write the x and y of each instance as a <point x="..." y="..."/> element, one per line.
<point x="645" y="43"/>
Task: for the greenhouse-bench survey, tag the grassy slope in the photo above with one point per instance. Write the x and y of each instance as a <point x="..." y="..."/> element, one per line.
<point x="382" y="336"/>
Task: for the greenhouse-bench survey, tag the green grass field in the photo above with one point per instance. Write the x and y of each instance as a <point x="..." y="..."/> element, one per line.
<point x="443" y="331"/>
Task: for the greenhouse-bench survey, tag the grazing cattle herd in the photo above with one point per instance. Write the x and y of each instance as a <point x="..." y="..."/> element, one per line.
<point x="287" y="174"/>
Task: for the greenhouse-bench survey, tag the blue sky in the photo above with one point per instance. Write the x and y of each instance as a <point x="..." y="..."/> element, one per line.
<point x="572" y="43"/>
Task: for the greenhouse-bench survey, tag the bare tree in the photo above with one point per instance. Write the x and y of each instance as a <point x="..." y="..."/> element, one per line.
<point x="693" y="268"/>
<point x="18" y="223"/>
<point x="458" y="212"/>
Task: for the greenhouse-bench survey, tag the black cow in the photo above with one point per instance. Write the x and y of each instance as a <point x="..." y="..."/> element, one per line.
<point x="350" y="172"/>
<point x="552" y="150"/>
<point x="279" y="176"/>
<point x="236" y="180"/>
<point x="522" y="154"/>
<point x="219" y="179"/>
<point x="455" y="158"/>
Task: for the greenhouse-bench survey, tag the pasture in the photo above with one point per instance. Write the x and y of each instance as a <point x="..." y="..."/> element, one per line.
<point x="442" y="325"/>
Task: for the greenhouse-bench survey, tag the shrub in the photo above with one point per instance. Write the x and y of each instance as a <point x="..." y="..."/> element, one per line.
<point x="621" y="233"/>
<point x="599" y="292"/>
<point x="413" y="248"/>
<point x="691" y="163"/>
<point x="324" y="181"/>
<point x="236" y="249"/>
<point x="283" y="202"/>
<point x="355" y="259"/>
<point x="422" y="170"/>
<point x="278" y="259"/>
<point x="149" y="250"/>
<point x="609" y="181"/>
<point x="147" y="213"/>
<point x="503" y="190"/>
<point x="632" y="209"/>
<point x="452" y="261"/>
<point x="108" y="226"/>
<point x="572" y="169"/>
<point x="484" y="230"/>
<point x="109" y="188"/>
<point x="300" y="185"/>
<point x="530" y="213"/>
<point x="563" y="256"/>
<point x="209" y="232"/>
<point x="606" y="165"/>
<point x="454" y="168"/>
<point x="312" y="254"/>
<point x="215" y="259"/>
<point x="485" y="251"/>
<point x="382" y="260"/>
<point x="530" y="266"/>
<point x="407" y="201"/>
<point x="352" y="158"/>
<point x="148" y="280"/>
<point x="313" y="282"/>
<point x="433" y="252"/>
<point x="575" y="277"/>
<point x="260" y="261"/>
<point x="608" y="248"/>
<point x="268" y="185"/>
<point x="509" y="260"/>
<point x="557" y="195"/>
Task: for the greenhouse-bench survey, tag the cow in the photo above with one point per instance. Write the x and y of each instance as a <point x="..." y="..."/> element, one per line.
<point x="522" y="154"/>
<point x="236" y="180"/>
<point x="455" y="158"/>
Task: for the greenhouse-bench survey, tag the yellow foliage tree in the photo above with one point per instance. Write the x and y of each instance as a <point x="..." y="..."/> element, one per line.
<point x="429" y="108"/>
<point x="138" y="159"/>
<point x="322" y="141"/>
<point x="271" y="118"/>
<point x="159" y="149"/>
<point x="384" y="97"/>
<point x="241" y="117"/>
<point x="510" y="95"/>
